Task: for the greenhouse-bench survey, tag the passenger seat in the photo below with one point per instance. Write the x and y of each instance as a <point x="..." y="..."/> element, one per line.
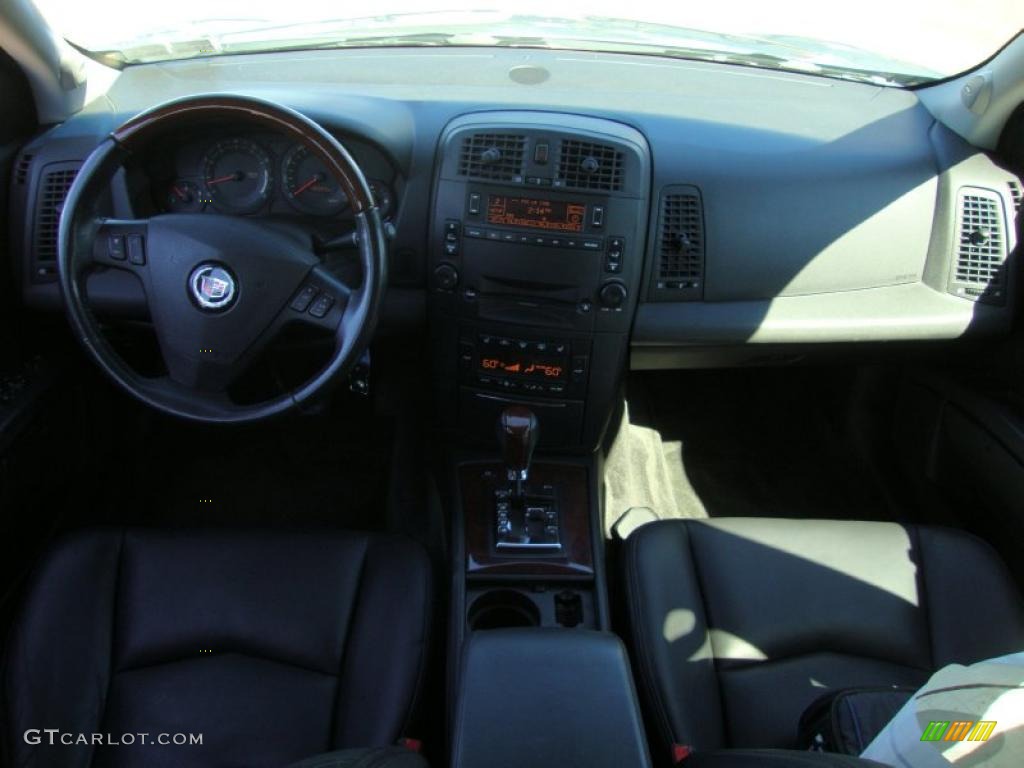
<point x="739" y="624"/>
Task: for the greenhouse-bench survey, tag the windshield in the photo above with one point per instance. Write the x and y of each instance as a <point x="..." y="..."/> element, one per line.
<point x="900" y="42"/>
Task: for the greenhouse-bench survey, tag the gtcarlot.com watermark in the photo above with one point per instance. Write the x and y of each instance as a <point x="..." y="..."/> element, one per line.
<point x="54" y="736"/>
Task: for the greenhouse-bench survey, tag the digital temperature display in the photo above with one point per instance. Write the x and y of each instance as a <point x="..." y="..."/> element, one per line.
<point x="535" y="212"/>
<point x="523" y="365"/>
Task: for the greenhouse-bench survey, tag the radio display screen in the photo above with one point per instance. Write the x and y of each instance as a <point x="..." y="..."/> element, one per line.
<point x="523" y="364"/>
<point x="552" y="215"/>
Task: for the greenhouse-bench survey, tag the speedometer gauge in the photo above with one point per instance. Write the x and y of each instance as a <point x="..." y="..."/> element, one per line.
<point x="237" y="175"/>
<point x="309" y="186"/>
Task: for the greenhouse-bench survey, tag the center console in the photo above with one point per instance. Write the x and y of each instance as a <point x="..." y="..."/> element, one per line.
<point x="536" y="246"/>
<point x="536" y="250"/>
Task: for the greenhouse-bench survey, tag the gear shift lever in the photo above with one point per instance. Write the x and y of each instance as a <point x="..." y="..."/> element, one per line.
<point x="517" y="433"/>
<point x="523" y="523"/>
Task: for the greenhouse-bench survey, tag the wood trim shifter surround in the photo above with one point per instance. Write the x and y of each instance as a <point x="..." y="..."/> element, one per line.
<point x="477" y="483"/>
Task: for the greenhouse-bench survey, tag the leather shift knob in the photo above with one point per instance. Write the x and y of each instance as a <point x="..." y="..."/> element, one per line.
<point x="517" y="434"/>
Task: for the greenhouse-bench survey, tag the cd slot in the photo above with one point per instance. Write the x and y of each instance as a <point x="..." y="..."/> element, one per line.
<point x="527" y="310"/>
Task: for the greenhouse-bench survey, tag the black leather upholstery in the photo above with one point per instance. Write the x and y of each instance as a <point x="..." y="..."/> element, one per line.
<point x="739" y="624"/>
<point x="774" y="758"/>
<point x="374" y="757"/>
<point x="274" y="646"/>
<point x="547" y="698"/>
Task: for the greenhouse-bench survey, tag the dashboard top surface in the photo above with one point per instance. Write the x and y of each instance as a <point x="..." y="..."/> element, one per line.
<point x="811" y="187"/>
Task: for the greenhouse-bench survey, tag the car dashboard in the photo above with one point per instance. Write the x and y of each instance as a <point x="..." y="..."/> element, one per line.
<point x="574" y="214"/>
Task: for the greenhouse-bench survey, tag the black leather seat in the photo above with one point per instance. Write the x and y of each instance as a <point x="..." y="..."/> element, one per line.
<point x="273" y="646"/>
<point x="739" y="624"/>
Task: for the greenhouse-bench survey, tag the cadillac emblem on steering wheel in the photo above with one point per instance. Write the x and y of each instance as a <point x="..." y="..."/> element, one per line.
<point x="212" y="287"/>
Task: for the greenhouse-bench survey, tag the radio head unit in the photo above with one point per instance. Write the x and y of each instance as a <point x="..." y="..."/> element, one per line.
<point x="536" y="213"/>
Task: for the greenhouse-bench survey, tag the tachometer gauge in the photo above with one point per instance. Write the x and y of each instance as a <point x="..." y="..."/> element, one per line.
<point x="309" y="186"/>
<point x="382" y="196"/>
<point x="237" y="175"/>
<point x="184" y="197"/>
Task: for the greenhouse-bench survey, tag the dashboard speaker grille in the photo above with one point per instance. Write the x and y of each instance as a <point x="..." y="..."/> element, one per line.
<point x="52" y="192"/>
<point x="680" y="245"/>
<point x="21" y="169"/>
<point x="979" y="269"/>
<point x="587" y="165"/>
<point x="493" y="156"/>
<point x="1016" y="193"/>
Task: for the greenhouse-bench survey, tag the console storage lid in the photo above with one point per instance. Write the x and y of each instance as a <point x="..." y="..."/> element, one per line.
<point x="547" y="697"/>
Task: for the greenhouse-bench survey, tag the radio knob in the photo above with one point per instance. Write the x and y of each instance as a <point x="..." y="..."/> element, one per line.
<point x="612" y="295"/>
<point x="446" y="277"/>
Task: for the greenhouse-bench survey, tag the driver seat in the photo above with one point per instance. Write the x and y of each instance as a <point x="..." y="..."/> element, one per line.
<point x="273" y="646"/>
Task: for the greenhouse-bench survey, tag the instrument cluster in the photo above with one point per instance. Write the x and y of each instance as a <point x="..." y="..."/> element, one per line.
<point x="253" y="174"/>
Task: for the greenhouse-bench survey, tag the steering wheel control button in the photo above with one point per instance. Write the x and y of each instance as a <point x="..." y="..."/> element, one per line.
<point x="116" y="248"/>
<point x="322" y="305"/>
<point x="212" y="287"/>
<point x="304" y="298"/>
<point x="136" y="250"/>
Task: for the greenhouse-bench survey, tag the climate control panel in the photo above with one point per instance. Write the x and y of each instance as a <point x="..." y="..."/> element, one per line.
<point x="533" y="366"/>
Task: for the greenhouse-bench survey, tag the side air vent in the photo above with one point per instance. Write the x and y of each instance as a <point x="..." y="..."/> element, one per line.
<point x="53" y="189"/>
<point x="979" y="268"/>
<point x="493" y="156"/>
<point x="21" y="169"/>
<point x="1016" y="193"/>
<point x="679" y="245"/>
<point x="586" y="165"/>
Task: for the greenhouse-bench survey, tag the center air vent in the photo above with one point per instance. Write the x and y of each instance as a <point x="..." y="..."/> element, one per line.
<point x="680" y="246"/>
<point x="1016" y="194"/>
<point x="493" y="156"/>
<point x="586" y="165"/>
<point x="53" y="189"/>
<point x="979" y="268"/>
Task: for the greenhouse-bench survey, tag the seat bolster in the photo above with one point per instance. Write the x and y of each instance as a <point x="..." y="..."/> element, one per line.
<point x="385" y="653"/>
<point x="669" y="634"/>
<point x="974" y="608"/>
<point x="62" y="641"/>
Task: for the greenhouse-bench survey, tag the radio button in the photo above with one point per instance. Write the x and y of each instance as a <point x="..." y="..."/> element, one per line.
<point x="451" y="248"/>
<point x="556" y="389"/>
<point x="474" y="203"/>
<point x="579" y="368"/>
<point x="452" y="227"/>
<point x="597" y="216"/>
<point x="492" y="234"/>
<point x="509" y="237"/>
<point x="446" y="277"/>
<point x="591" y="244"/>
<point x="475" y="232"/>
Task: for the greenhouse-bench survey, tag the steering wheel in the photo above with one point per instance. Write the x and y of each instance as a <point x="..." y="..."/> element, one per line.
<point x="219" y="288"/>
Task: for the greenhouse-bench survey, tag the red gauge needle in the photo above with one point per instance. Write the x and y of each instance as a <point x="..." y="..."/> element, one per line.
<point x="180" y="193"/>
<point x="306" y="185"/>
<point x="222" y="179"/>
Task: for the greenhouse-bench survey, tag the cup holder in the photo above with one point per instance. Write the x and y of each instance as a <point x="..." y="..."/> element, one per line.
<point x="503" y="608"/>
